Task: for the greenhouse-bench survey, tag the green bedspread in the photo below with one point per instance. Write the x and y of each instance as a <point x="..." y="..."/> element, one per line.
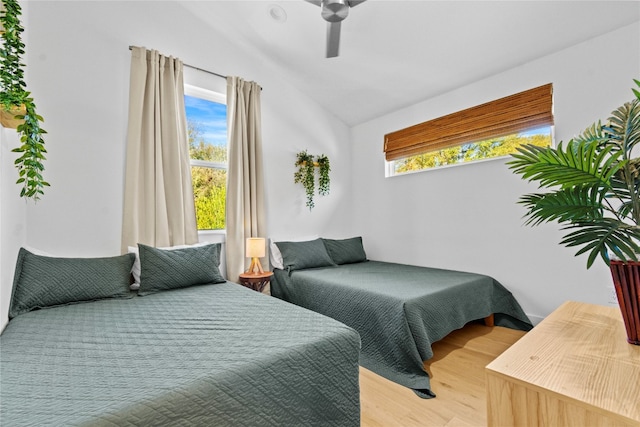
<point x="399" y="310"/>
<point x="211" y="355"/>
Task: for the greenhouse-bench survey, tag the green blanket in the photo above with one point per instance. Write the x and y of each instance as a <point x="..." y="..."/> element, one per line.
<point x="211" y="355"/>
<point x="399" y="310"/>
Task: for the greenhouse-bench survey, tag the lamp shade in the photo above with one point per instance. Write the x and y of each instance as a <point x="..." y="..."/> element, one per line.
<point x="255" y="247"/>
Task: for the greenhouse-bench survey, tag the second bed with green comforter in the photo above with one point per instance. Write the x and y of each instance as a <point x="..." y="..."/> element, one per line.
<point x="399" y="310"/>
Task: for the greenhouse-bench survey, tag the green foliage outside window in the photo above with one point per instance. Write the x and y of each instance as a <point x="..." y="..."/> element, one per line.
<point x="496" y="147"/>
<point x="209" y="184"/>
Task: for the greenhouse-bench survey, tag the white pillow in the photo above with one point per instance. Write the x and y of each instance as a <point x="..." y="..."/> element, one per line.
<point x="274" y="253"/>
<point x="136" y="268"/>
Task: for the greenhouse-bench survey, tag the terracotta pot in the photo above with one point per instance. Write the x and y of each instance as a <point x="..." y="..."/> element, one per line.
<point x="626" y="278"/>
<point x="8" y="118"/>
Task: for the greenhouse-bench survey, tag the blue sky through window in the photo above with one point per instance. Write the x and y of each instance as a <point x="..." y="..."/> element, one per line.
<point x="211" y="119"/>
<point x="544" y="130"/>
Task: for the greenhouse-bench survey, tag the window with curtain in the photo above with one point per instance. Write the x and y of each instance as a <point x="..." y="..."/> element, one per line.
<point x="206" y="113"/>
<point x="158" y="196"/>
<point x="491" y="130"/>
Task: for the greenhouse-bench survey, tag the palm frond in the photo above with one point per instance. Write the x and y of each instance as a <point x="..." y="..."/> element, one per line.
<point x="582" y="162"/>
<point x="594" y="134"/>
<point x="581" y="203"/>
<point x="623" y="197"/>
<point x="624" y="126"/>
<point x="625" y="209"/>
<point x="600" y="236"/>
<point x="594" y="185"/>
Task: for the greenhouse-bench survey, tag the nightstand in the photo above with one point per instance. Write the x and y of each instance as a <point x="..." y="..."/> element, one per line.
<point x="257" y="282"/>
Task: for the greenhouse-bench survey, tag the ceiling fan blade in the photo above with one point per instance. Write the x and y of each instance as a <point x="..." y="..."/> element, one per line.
<point x="350" y="3"/>
<point x="333" y="39"/>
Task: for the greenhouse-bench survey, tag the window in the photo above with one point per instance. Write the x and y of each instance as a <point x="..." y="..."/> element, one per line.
<point x="490" y="130"/>
<point x="207" y="132"/>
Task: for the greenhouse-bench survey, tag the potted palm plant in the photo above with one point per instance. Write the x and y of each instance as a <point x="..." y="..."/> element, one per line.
<point x="593" y="191"/>
<point x="17" y="107"/>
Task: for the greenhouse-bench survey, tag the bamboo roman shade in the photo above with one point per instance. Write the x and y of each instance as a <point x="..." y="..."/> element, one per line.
<point x="512" y="114"/>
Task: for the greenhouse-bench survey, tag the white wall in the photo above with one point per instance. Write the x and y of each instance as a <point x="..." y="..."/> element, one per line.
<point x="78" y="71"/>
<point x="12" y="219"/>
<point x="466" y="217"/>
<point x="13" y="213"/>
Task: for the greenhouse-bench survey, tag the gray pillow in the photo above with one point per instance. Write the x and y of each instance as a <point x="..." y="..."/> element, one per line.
<point x="42" y="281"/>
<point x="346" y="251"/>
<point x="300" y="255"/>
<point x="161" y="270"/>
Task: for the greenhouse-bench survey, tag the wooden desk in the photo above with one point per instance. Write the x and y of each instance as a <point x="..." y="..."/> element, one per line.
<point x="574" y="369"/>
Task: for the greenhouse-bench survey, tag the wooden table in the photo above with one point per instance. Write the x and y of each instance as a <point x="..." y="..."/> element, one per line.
<point x="257" y="281"/>
<point x="574" y="369"/>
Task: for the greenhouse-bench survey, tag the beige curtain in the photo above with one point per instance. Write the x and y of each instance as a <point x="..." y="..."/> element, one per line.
<point x="158" y="196"/>
<point x="245" y="192"/>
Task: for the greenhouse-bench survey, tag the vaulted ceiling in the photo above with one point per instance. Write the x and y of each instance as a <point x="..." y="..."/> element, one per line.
<point x="394" y="53"/>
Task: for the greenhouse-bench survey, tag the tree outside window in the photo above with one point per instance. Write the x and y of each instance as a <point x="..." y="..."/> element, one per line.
<point x="494" y="129"/>
<point x="207" y="133"/>
<point x="488" y="149"/>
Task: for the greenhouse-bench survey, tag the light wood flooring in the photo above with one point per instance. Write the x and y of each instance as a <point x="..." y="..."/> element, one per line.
<point x="457" y="378"/>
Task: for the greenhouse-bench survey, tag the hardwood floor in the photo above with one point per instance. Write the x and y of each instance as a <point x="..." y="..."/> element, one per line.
<point x="457" y="378"/>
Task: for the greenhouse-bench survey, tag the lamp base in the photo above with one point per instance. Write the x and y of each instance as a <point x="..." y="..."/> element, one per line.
<point x="255" y="267"/>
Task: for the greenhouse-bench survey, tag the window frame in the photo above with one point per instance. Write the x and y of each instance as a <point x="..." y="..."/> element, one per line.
<point x="513" y="114"/>
<point x="217" y="97"/>
<point x="390" y="166"/>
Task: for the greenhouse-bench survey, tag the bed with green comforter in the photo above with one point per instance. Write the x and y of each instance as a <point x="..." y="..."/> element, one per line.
<point x="399" y="310"/>
<point x="206" y="355"/>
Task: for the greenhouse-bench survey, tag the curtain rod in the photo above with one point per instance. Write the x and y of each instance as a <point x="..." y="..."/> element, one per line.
<point x="197" y="68"/>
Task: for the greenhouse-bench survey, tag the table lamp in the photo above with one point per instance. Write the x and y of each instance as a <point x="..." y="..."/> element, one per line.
<point x="255" y="248"/>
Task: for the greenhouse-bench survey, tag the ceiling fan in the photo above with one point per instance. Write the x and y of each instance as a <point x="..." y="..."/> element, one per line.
<point x="334" y="12"/>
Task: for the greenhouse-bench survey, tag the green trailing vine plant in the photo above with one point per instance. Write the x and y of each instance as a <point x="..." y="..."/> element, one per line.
<point x="15" y="97"/>
<point x="306" y="175"/>
<point x="323" y="175"/>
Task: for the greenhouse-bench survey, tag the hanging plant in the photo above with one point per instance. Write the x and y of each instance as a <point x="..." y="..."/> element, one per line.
<point x="16" y="103"/>
<point x="305" y="175"/>
<point x="323" y="179"/>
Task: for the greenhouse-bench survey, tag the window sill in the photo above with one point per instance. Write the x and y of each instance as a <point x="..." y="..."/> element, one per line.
<point x="212" y="235"/>
<point x="475" y="162"/>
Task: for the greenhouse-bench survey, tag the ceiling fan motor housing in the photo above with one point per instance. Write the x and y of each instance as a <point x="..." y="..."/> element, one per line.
<point x="334" y="10"/>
